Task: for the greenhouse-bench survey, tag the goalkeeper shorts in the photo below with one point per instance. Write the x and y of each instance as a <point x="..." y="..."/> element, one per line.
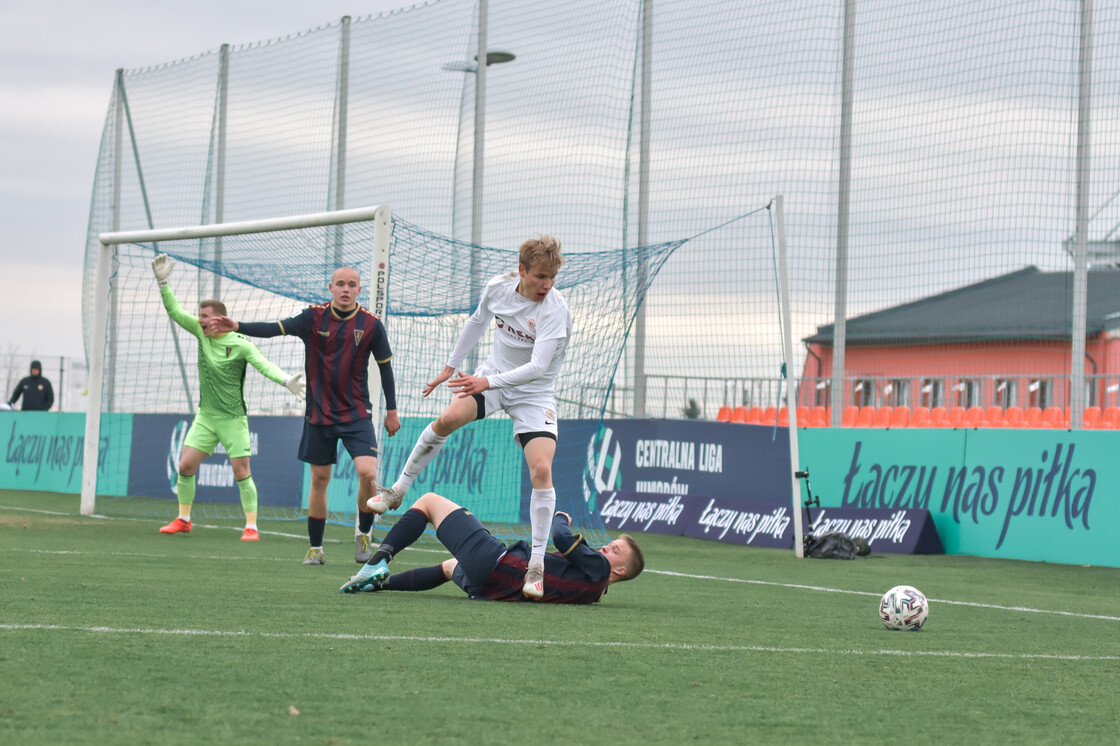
<point x="206" y="432"/>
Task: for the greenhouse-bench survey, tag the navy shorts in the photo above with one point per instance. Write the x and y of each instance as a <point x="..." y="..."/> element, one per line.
<point x="319" y="444"/>
<point x="476" y="549"/>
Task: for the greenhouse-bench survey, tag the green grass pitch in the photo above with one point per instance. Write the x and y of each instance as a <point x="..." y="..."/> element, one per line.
<point x="113" y="633"/>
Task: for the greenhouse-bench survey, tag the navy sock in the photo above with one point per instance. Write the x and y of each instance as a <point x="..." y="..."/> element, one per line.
<point x="365" y="521"/>
<point x="408" y="528"/>
<point x="418" y="579"/>
<point x="315" y="529"/>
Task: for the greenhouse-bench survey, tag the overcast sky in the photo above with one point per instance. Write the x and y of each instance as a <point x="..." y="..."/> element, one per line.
<point x="57" y="61"/>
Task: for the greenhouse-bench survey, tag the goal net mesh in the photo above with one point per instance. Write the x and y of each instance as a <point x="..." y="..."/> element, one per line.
<point x="151" y="364"/>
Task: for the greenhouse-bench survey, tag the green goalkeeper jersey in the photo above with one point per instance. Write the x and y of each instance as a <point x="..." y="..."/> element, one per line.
<point x="221" y="363"/>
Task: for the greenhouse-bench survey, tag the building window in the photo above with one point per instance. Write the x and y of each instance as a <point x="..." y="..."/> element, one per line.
<point x="932" y="393"/>
<point x="863" y="393"/>
<point x="897" y="392"/>
<point x="822" y="394"/>
<point x="1007" y="392"/>
<point x="966" y="393"/>
<point x="1040" y="393"/>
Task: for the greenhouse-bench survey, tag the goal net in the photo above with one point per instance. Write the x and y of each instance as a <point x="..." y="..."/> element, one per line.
<point x="144" y="379"/>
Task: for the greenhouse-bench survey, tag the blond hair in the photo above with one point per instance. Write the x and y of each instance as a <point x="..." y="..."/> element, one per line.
<point x="637" y="561"/>
<point x="217" y="305"/>
<point x="542" y="252"/>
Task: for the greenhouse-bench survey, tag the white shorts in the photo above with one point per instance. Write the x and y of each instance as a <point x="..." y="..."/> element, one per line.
<point x="531" y="413"/>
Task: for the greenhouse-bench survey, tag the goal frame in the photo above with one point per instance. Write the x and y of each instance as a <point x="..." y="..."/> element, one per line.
<point x="380" y="215"/>
<point x="790" y="376"/>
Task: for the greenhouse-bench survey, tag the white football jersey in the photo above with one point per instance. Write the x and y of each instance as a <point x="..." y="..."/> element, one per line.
<point x="522" y="322"/>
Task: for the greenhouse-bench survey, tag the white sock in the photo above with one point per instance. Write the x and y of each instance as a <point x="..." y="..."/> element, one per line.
<point x="251" y="525"/>
<point x="426" y="448"/>
<point x="542" y="504"/>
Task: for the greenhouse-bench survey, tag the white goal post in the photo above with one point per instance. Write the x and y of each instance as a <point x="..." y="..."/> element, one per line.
<point x="788" y="374"/>
<point x="381" y="216"/>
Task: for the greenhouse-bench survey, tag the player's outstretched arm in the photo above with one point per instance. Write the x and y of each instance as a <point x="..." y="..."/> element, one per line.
<point x="223" y="324"/>
<point x="444" y="374"/>
<point x="161" y="268"/>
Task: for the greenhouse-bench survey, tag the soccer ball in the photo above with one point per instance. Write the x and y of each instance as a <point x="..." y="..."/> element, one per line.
<point x="903" y="607"/>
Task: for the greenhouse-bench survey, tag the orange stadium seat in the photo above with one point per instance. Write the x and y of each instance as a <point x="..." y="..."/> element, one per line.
<point x="739" y="414"/>
<point x="783" y="417"/>
<point x="866" y="417"/>
<point x="994" y="417"/>
<point x="850" y="417"/>
<point x="883" y="417"/>
<point x="1052" y="417"/>
<point x="1109" y="418"/>
<point x="900" y="417"/>
<point x="754" y="415"/>
<point x="920" y="418"/>
<point x="770" y="416"/>
<point x="1013" y="417"/>
<point x="803" y="417"/>
<point x="955" y="417"/>
<point x="938" y="417"/>
<point x="1032" y="416"/>
<point x="974" y="417"/>
<point x="819" y="416"/>
<point x="725" y="413"/>
<point x="1091" y="418"/>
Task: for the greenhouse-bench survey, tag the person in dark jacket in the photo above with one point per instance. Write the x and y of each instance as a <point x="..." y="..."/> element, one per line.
<point x="486" y="568"/>
<point x="37" y="393"/>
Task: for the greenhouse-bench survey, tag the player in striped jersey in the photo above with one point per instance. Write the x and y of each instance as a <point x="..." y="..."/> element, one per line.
<point x="339" y="338"/>
<point x="485" y="568"/>
<point x="222" y="415"/>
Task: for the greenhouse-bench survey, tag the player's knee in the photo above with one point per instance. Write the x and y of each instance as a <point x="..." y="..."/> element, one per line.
<point x="446" y="424"/>
<point x="540" y="472"/>
<point x="449" y="567"/>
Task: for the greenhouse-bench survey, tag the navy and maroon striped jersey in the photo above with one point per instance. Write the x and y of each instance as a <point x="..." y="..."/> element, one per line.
<point x="577" y="574"/>
<point x="338" y="351"/>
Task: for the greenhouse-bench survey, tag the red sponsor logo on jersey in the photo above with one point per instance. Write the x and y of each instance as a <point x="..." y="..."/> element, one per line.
<point x="533" y="325"/>
<point x="549" y="417"/>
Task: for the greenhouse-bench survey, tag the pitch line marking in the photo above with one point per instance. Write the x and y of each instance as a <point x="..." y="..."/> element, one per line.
<point x="824" y="589"/>
<point x="670" y="573"/>
<point x="566" y="643"/>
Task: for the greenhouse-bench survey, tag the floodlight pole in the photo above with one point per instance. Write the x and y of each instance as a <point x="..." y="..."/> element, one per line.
<point x="483" y="59"/>
<point x="840" y="310"/>
<point x="643" y="208"/>
<point x="1077" y="399"/>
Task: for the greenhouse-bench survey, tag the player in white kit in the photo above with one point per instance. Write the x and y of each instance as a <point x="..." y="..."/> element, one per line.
<point x="531" y="339"/>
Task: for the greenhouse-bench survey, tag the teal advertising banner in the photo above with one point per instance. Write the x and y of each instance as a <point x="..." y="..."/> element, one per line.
<point x="43" y="451"/>
<point x="1049" y="495"/>
<point x="479" y="467"/>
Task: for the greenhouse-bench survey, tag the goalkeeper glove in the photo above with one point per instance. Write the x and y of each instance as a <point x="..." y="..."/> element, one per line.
<point x="161" y="267"/>
<point x="296" y="385"/>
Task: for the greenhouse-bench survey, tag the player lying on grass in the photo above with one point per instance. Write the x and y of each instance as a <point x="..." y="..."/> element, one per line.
<point x="221" y="414"/>
<point x="533" y="326"/>
<point x="486" y="568"/>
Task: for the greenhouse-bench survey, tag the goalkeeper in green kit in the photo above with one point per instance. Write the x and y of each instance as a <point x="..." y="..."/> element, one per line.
<point x="221" y="414"/>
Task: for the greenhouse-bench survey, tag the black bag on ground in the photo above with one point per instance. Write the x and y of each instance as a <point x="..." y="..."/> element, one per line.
<point x="836" y="545"/>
